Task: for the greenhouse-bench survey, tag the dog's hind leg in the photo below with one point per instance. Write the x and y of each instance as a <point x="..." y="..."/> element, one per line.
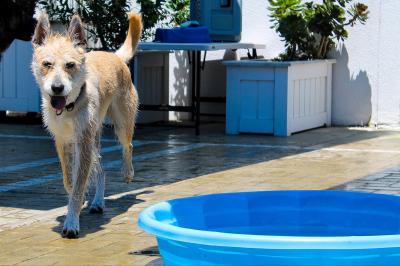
<point x="123" y="114"/>
<point x="64" y="154"/>
<point x="83" y="163"/>
<point x="125" y="135"/>
<point x="98" y="178"/>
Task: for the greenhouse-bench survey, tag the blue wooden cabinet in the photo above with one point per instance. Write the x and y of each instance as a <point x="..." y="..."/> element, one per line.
<point x="18" y="89"/>
<point x="279" y="98"/>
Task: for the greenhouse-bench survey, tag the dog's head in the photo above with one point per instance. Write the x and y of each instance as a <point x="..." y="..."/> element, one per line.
<point x="59" y="62"/>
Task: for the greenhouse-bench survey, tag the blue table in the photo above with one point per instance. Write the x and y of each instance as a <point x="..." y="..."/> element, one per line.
<point x="194" y="50"/>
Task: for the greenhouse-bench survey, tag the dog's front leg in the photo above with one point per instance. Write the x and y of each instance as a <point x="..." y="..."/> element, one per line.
<point x="83" y="163"/>
<point x="64" y="154"/>
<point x="97" y="205"/>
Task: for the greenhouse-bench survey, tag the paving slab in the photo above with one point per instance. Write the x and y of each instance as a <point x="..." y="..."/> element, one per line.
<point x="171" y="163"/>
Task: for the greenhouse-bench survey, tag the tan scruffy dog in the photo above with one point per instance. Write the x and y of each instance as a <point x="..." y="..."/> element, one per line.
<point x="78" y="90"/>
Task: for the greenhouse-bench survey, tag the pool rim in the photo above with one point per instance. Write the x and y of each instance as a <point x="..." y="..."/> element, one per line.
<point x="194" y="236"/>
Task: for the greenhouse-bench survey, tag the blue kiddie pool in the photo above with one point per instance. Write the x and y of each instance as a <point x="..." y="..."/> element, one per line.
<point x="277" y="228"/>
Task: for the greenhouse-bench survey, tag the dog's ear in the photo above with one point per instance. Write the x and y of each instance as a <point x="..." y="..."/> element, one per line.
<point x="42" y="30"/>
<point x="76" y="32"/>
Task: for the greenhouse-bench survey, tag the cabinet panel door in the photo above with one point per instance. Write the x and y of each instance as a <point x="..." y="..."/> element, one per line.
<point x="256" y="106"/>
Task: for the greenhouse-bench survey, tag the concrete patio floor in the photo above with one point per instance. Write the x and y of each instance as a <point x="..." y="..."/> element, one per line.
<point x="170" y="163"/>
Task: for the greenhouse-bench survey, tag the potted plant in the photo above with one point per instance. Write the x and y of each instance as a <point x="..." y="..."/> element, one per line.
<point x="292" y="92"/>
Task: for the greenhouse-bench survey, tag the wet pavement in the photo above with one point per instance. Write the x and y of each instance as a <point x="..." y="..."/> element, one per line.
<point x="170" y="163"/>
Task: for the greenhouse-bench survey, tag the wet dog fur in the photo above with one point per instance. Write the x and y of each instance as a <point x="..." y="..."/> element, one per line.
<point x="78" y="90"/>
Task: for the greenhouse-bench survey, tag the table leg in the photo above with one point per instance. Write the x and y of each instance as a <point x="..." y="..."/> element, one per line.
<point x="193" y="81"/>
<point x="255" y="53"/>
<point x="198" y="84"/>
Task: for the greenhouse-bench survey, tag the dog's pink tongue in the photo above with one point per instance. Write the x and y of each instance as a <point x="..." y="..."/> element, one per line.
<point x="58" y="102"/>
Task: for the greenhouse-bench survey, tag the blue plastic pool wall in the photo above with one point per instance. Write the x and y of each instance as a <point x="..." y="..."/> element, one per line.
<point x="316" y="213"/>
<point x="176" y="253"/>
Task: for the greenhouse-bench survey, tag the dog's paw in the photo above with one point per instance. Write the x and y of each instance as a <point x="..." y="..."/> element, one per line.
<point x="97" y="205"/>
<point x="96" y="209"/>
<point x="128" y="174"/>
<point x="129" y="179"/>
<point x="68" y="233"/>
<point x="71" y="228"/>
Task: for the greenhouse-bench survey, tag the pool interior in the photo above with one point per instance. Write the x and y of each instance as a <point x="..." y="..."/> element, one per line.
<point x="289" y="216"/>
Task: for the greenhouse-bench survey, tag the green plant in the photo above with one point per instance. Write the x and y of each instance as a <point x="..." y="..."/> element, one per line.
<point x="105" y="20"/>
<point x="178" y="11"/>
<point x="310" y="29"/>
<point x="168" y="13"/>
<point x="152" y="14"/>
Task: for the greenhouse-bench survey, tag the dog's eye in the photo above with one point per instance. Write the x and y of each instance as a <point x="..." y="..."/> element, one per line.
<point x="70" y="65"/>
<point x="46" y="64"/>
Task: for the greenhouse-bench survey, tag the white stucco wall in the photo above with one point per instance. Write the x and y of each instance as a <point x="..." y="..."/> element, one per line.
<point x="366" y="77"/>
<point x="386" y="100"/>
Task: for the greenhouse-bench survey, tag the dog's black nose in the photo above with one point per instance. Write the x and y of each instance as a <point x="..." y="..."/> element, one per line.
<point x="57" y="88"/>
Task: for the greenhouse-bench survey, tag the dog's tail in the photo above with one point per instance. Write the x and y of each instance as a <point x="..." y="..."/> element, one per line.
<point x="127" y="50"/>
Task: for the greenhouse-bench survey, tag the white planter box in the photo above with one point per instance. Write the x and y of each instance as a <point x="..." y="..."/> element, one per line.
<point x="278" y="97"/>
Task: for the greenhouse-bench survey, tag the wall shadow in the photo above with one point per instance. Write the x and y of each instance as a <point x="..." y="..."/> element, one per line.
<point x="351" y="92"/>
<point x="213" y="84"/>
<point x="182" y="83"/>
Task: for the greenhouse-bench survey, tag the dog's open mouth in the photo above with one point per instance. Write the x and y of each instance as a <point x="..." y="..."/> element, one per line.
<point x="58" y="103"/>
